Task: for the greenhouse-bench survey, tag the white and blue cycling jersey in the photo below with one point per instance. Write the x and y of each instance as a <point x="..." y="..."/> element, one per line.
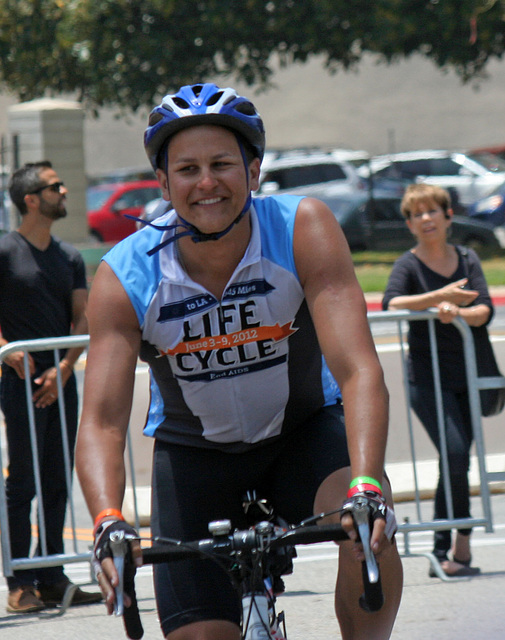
<point x="230" y="372"/>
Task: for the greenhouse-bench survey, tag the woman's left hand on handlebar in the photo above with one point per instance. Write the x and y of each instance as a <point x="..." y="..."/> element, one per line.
<point x="383" y="530"/>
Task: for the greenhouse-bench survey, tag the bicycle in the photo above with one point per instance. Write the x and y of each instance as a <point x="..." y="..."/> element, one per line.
<point x="255" y="559"/>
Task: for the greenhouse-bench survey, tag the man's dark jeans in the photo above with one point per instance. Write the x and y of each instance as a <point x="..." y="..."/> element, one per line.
<point x="20" y="483"/>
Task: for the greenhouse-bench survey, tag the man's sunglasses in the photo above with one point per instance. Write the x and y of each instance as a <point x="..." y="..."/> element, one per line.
<point x="56" y="187"/>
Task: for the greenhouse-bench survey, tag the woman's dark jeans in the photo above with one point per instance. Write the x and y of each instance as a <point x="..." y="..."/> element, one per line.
<point x="458" y="430"/>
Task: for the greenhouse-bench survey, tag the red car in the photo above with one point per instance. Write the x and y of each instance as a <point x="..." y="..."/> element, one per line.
<point x="107" y="205"/>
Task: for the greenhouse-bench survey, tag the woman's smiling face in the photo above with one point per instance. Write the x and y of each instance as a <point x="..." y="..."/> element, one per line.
<point x="206" y="179"/>
<point x="429" y="220"/>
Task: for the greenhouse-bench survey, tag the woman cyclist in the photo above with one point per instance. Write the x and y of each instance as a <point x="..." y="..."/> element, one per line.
<point x="254" y="327"/>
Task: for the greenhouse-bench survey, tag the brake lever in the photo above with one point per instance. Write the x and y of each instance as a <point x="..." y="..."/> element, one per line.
<point x="373" y="598"/>
<point x="119" y="548"/>
<point x="361" y="518"/>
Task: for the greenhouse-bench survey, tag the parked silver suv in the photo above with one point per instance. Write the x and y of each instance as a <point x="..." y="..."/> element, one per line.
<point x="470" y="177"/>
<point x="295" y="171"/>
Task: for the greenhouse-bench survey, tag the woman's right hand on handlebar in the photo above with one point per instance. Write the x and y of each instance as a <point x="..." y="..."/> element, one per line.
<point x="108" y="580"/>
<point x="103" y="560"/>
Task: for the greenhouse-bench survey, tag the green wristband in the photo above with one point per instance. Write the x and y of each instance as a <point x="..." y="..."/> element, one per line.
<point x="364" y="480"/>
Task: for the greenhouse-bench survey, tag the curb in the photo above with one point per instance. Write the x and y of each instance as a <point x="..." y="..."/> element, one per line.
<point x="401" y="475"/>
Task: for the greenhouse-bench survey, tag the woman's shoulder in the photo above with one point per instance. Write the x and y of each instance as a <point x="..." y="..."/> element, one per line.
<point x="406" y="259"/>
<point x="467" y="253"/>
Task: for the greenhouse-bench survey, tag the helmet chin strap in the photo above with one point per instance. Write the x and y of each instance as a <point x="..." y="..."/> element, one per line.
<point x="190" y="229"/>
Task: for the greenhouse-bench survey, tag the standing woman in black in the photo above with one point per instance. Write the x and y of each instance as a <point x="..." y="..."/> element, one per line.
<point x="438" y="274"/>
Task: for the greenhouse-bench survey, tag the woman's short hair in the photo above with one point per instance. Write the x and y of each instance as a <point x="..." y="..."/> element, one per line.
<point x="421" y="192"/>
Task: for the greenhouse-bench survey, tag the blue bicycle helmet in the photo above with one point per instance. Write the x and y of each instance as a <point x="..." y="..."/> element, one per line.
<point x="202" y="104"/>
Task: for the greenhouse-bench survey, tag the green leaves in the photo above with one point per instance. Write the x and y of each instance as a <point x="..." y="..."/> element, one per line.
<point x="127" y="53"/>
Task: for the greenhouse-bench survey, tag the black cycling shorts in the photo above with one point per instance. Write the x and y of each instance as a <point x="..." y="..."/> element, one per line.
<point x="193" y="486"/>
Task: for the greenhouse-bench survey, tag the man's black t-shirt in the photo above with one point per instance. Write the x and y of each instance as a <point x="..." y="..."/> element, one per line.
<point x="36" y="290"/>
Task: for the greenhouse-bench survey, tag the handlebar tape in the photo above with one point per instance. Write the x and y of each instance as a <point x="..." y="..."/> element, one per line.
<point x="372" y="599"/>
<point x="131" y="615"/>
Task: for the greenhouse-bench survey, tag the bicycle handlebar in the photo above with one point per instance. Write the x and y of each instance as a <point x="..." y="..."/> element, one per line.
<point x="224" y="546"/>
<point x="373" y="598"/>
<point x="247" y="540"/>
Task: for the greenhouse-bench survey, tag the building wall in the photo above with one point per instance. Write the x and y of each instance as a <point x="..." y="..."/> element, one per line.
<point x="378" y="108"/>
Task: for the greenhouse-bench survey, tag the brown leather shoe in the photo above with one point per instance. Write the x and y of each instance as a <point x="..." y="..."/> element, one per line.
<point x="24" y="599"/>
<point x="52" y="594"/>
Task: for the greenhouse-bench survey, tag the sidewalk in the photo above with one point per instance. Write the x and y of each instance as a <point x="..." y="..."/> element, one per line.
<point x="402" y="479"/>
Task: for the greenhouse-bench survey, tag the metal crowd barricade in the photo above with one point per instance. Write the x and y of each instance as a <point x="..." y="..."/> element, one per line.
<point x="475" y="384"/>
<point x="10" y="564"/>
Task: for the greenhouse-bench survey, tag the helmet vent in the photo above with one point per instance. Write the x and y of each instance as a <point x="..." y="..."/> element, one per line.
<point x="214" y="98"/>
<point x="247" y="108"/>
<point x="181" y="103"/>
<point x="197" y="89"/>
<point x="154" y="118"/>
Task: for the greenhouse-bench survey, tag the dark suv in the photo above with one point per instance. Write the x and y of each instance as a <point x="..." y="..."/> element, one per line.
<point x="376" y="224"/>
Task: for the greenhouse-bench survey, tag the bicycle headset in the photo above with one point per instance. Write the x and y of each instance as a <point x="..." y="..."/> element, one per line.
<point x="194" y="105"/>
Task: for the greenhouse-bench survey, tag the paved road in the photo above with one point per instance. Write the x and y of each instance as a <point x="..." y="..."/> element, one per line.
<point x="469" y="609"/>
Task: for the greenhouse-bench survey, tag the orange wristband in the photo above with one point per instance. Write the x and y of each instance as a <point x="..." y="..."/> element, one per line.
<point x="104" y="514"/>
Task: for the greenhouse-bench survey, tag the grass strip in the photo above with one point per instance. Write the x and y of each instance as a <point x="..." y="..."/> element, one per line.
<point x="373" y="269"/>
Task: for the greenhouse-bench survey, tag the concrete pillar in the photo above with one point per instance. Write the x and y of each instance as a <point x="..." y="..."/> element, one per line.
<point x="52" y="129"/>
